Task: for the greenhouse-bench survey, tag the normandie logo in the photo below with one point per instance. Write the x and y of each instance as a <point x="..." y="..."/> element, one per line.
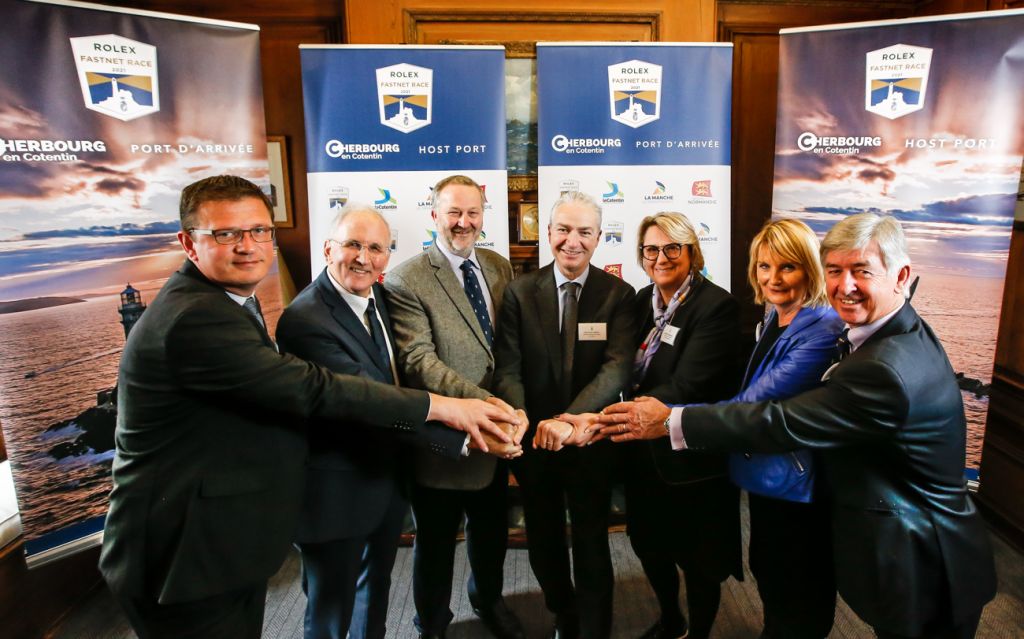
<point x="118" y="76"/>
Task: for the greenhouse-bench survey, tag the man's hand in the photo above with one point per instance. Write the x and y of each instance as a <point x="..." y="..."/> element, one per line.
<point x="565" y="430"/>
<point x="505" y="450"/>
<point x="552" y="434"/>
<point x="473" y="416"/>
<point x="523" y="424"/>
<point x="642" y="418"/>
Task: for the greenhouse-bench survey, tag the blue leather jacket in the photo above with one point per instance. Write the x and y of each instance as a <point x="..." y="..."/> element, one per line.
<point x="794" y="364"/>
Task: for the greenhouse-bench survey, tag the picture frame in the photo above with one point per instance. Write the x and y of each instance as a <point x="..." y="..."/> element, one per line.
<point x="528" y="221"/>
<point x="280" y="184"/>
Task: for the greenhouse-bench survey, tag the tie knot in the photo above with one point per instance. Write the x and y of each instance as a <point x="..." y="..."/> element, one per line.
<point x="467" y="266"/>
<point x="370" y="306"/>
<point x="571" y="288"/>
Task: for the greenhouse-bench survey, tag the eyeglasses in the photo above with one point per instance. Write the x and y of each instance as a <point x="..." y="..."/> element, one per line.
<point x="671" y="251"/>
<point x="375" y="250"/>
<point x="234" y="236"/>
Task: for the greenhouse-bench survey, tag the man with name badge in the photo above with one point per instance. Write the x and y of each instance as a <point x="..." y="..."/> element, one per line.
<point x="565" y="345"/>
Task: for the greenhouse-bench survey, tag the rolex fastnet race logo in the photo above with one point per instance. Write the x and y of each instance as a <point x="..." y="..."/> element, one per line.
<point x="634" y="91"/>
<point x="404" y="94"/>
<point x="118" y="76"/>
<point x="896" y="80"/>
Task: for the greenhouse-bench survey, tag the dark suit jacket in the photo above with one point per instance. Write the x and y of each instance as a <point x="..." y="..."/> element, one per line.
<point x="701" y="366"/>
<point x="890" y="425"/>
<point x="528" y="348"/>
<point x="352" y="475"/>
<point x="211" y="445"/>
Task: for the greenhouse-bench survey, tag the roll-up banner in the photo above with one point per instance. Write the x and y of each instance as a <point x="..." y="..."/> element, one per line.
<point x="920" y="119"/>
<point x="642" y="128"/>
<point x="385" y="123"/>
<point x="105" y="115"/>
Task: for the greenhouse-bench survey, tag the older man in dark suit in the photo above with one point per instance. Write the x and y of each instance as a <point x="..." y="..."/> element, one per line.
<point x="444" y="303"/>
<point x="354" y="508"/>
<point x="912" y="555"/>
<point x="565" y="345"/>
<point x="211" y="443"/>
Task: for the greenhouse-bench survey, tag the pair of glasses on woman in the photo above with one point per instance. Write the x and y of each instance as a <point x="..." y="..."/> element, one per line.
<point x="234" y="236"/>
<point x="671" y="251"/>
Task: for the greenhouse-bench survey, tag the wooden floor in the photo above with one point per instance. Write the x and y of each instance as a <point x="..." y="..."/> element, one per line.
<point x="635" y="607"/>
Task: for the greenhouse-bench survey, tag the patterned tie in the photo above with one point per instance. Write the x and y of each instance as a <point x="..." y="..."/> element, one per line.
<point x="843" y="345"/>
<point x="253" y="307"/>
<point x="570" y="315"/>
<point x="476" y="299"/>
<point x="377" y="334"/>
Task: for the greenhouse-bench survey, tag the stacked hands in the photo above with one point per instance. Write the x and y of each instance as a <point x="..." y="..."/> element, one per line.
<point x="642" y="418"/>
<point x="495" y="427"/>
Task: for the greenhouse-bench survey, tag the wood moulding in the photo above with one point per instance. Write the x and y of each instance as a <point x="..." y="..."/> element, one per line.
<point x="413" y="18"/>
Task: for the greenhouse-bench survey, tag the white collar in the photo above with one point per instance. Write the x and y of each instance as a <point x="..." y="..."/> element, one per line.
<point x="457" y="260"/>
<point x="239" y="299"/>
<point x="357" y="302"/>
<point x="860" y="334"/>
<point x="560" y="277"/>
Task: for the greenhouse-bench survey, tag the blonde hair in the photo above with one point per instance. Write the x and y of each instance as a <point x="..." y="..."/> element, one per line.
<point x="679" y="229"/>
<point x="793" y="241"/>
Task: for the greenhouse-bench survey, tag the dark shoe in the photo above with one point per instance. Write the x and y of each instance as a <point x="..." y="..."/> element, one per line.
<point x="566" y="627"/>
<point x="432" y="635"/>
<point x="658" y="631"/>
<point x="500" y="620"/>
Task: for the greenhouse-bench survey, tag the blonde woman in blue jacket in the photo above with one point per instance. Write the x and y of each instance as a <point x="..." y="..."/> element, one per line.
<point x="790" y="549"/>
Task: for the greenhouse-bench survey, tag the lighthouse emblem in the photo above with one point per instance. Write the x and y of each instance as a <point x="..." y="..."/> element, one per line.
<point x="118" y="76"/>
<point x="404" y="93"/>
<point x="634" y="91"/>
<point x="896" y="80"/>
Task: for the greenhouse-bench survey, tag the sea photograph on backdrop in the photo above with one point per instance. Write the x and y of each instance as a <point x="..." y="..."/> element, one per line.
<point x="88" y="232"/>
<point x="921" y="122"/>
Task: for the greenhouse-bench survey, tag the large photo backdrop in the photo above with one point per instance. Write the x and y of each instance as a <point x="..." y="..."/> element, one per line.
<point x="116" y="112"/>
<point x="385" y="123"/>
<point x="920" y="119"/>
<point x="642" y="128"/>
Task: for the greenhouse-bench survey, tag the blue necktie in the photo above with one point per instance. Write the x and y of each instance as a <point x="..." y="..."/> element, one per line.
<point x="476" y="299"/>
<point x="377" y="335"/>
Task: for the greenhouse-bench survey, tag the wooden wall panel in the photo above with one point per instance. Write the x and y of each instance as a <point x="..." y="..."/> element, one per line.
<point x="387" y="21"/>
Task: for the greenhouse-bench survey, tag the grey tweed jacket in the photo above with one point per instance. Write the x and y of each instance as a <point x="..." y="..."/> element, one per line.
<point x="442" y="349"/>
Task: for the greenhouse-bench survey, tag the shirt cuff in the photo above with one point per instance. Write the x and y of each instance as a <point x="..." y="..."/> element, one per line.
<point x="675" y="428"/>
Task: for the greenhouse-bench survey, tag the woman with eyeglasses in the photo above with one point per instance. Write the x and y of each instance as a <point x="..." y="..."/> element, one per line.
<point x="681" y="508"/>
<point x="790" y="539"/>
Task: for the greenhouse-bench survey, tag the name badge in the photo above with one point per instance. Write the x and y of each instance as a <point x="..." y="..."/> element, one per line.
<point x="668" y="336"/>
<point x="593" y="332"/>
